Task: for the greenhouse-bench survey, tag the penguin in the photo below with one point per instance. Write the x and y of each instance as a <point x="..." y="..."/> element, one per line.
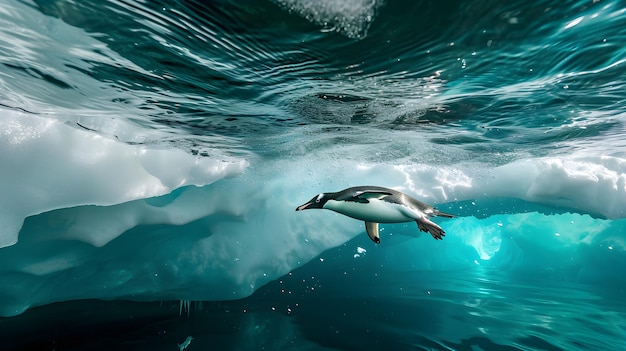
<point x="375" y="204"/>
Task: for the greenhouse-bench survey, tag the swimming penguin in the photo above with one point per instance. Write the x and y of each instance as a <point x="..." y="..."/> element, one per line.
<point x="375" y="204"/>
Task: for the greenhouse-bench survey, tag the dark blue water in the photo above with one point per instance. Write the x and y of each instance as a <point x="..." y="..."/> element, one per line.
<point x="153" y="153"/>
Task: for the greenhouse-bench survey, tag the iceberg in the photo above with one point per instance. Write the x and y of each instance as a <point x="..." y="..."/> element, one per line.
<point x="85" y="216"/>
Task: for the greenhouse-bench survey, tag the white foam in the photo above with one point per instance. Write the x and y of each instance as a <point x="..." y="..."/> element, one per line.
<point x="351" y="18"/>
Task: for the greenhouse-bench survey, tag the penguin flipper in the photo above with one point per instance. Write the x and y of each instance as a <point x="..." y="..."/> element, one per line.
<point x="442" y="214"/>
<point x="371" y="194"/>
<point x="431" y="227"/>
<point x="372" y="231"/>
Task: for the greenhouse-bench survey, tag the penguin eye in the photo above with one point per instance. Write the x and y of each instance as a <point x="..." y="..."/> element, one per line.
<point x="319" y="197"/>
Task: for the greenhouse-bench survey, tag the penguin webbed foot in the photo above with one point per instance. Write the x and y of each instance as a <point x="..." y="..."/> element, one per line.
<point x="428" y="226"/>
<point x="438" y="236"/>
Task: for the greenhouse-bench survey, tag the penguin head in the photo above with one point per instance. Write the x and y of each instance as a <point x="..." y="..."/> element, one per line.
<point x="316" y="202"/>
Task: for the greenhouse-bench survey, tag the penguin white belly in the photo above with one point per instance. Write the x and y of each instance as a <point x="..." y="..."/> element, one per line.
<point x="374" y="211"/>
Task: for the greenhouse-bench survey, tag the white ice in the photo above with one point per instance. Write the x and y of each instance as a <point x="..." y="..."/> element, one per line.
<point x="48" y="165"/>
<point x="105" y="223"/>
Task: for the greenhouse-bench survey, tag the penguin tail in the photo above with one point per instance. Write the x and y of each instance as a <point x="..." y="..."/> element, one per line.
<point x="443" y="214"/>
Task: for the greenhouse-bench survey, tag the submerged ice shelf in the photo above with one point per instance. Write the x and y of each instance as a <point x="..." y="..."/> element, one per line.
<point x="48" y="165"/>
<point x="101" y="219"/>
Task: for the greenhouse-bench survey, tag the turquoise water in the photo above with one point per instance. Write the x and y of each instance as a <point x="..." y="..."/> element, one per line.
<point x="153" y="153"/>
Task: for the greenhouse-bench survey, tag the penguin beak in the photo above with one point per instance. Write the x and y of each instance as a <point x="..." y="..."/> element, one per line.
<point x="304" y="206"/>
<point x="313" y="203"/>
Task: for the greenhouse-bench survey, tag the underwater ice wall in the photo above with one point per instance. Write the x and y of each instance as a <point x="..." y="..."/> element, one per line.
<point x="48" y="165"/>
<point x="99" y="218"/>
<point x="102" y="219"/>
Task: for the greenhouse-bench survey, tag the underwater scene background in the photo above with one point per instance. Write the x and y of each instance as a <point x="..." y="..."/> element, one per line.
<point x="153" y="154"/>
